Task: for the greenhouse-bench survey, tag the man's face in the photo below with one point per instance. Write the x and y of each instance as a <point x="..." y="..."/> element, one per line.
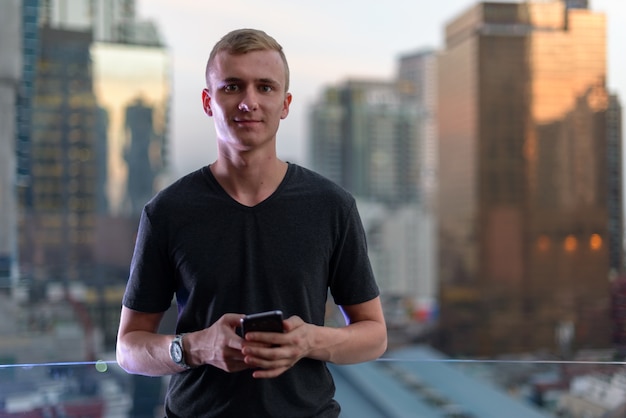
<point x="247" y="98"/>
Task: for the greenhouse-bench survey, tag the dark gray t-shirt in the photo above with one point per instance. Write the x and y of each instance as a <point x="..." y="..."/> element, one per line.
<point x="218" y="256"/>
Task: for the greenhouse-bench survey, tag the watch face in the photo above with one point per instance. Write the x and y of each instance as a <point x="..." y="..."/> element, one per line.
<point x="176" y="352"/>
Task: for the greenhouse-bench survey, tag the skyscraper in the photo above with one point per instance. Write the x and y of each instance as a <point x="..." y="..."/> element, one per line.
<point x="368" y="136"/>
<point x="417" y="79"/>
<point x="364" y="138"/>
<point x="93" y="115"/>
<point x="616" y="184"/>
<point x="10" y="76"/>
<point x="524" y="180"/>
<point x="131" y="81"/>
<point x="57" y="229"/>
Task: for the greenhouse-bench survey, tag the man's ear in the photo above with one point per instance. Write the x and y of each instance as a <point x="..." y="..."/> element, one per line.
<point x="286" y="103"/>
<point x="206" y="102"/>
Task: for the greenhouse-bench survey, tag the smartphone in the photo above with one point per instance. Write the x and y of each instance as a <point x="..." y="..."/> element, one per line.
<point x="271" y="321"/>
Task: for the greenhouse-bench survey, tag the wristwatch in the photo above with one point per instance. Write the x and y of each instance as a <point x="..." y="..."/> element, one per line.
<point x="177" y="353"/>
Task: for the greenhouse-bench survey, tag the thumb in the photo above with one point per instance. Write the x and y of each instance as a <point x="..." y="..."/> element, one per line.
<point x="292" y="323"/>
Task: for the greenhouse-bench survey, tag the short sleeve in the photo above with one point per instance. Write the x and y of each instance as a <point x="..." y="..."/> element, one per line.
<point x="151" y="281"/>
<point x="352" y="279"/>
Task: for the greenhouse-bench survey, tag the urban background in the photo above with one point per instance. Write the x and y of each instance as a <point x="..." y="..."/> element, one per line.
<point x="487" y="170"/>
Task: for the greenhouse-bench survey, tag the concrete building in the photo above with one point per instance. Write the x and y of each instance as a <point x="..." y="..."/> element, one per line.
<point x="364" y="138"/>
<point x="10" y="77"/>
<point x="417" y="81"/>
<point x="524" y="238"/>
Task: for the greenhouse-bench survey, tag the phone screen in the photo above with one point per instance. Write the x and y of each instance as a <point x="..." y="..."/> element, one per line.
<point x="271" y="321"/>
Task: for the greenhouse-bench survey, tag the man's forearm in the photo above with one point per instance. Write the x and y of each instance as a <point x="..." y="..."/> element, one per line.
<point x="145" y="353"/>
<point x="358" y="342"/>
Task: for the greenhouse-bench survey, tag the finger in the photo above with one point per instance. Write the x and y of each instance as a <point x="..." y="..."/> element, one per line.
<point x="266" y="358"/>
<point x="233" y="320"/>
<point x="259" y="353"/>
<point x="268" y="374"/>
<point x="267" y="338"/>
<point x="292" y="323"/>
<point x="255" y="344"/>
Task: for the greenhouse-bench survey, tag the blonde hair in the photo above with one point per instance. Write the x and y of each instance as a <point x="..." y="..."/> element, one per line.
<point x="242" y="41"/>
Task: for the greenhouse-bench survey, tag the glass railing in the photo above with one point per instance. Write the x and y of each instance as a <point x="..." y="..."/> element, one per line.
<point x="413" y="382"/>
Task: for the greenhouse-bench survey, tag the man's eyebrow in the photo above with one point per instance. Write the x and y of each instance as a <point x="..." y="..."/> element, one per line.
<point x="268" y="81"/>
<point x="229" y="80"/>
<point x="264" y="80"/>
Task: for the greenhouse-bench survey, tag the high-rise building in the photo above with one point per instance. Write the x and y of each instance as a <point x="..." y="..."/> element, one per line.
<point x="57" y="228"/>
<point x="26" y="91"/>
<point x="367" y="137"/>
<point x="364" y="138"/>
<point x="417" y="85"/>
<point x="132" y="86"/>
<point x="107" y="20"/>
<point x="417" y="79"/>
<point x="616" y="185"/>
<point x="10" y="77"/>
<point x="524" y="179"/>
<point x="93" y="149"/>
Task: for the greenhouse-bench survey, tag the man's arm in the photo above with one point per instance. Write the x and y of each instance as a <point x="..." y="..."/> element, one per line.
<point x="364" y="338"/>
<point x="141" y="350"/>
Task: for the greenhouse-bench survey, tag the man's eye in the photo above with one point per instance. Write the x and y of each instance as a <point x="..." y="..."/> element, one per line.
<point x="266" y="89"/>
<point x="229" y="88"/>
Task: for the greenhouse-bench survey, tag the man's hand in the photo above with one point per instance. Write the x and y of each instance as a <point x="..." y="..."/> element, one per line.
<point x="274" y="353"/>
<point x="219" y="345"/>
<point x="364" y="338"/>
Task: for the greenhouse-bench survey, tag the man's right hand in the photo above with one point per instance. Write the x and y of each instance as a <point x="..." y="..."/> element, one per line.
<point x="218" y="346"/>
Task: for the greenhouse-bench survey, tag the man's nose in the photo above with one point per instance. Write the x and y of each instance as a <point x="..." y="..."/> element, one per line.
<point x="249" y="101"/>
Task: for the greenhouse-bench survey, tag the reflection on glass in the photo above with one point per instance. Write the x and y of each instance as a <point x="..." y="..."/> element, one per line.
<point x="413" y="382"/>
<point x="131" y="84"/>
<point x="524" y="163"/>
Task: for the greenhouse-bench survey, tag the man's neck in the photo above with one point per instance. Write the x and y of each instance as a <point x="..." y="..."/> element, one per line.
<point x="249" y="180"/>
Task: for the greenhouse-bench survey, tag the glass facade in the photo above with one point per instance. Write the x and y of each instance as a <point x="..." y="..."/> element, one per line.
<point x="131" y="85"/>
<point x="488" y="177"/>
<point x="366" y="140"/>
<point x="524" y="244"/>
<point x="57" y="231"/>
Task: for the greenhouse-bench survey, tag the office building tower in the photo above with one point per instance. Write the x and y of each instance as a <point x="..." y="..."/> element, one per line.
<point x="365" y="135"/>
<point x="417" y="81"/>
<point x="57" y="229"/>
<point x="25" y="94"/>
<point x="10" y="76"/>
<point x="131" y="81"/>
<point x="417" y="86"/>
<point x="616" y="185"/>
<point x="91" y="148"/>
<point x="363" y="138"/>
<point x="108" y="20"/>
<point x="524" y="180"/>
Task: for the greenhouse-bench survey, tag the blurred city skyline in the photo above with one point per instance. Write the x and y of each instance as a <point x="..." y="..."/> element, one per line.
<point x="528" y="287"/>
<point x="325" y="42"/>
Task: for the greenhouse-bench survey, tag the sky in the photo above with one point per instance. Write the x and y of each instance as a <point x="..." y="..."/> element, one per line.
<point x="326" y="42"/>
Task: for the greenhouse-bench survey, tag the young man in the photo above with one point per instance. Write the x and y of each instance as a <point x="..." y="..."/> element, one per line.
<point x="246" y="234"/>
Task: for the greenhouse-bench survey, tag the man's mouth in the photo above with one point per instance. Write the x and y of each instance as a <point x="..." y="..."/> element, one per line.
<point x="246" y="121"/>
